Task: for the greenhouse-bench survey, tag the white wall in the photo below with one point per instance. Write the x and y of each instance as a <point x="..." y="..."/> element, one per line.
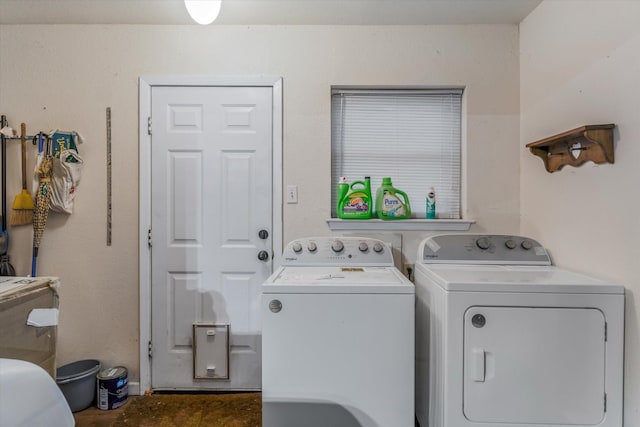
<point x="65" y="76"/>
<point x="580" y="65"/>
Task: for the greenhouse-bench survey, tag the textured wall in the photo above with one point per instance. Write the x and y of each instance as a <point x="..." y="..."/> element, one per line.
<point x="579" y="65"/>
<point x="65" y="76"/>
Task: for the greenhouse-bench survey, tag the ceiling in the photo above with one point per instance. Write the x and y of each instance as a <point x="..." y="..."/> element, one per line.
<point x="270" y="12"/>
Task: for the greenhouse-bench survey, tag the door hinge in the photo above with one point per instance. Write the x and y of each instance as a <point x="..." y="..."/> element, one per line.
<point x="605" y="402"/>
<point x="150" y="350"/>
<point x="149" y="238"/>
<point x="149" y="125"/>
<point x="605" y="332"/>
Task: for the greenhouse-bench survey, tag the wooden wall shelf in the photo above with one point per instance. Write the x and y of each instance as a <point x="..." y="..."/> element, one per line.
<point x="574" y="147"/>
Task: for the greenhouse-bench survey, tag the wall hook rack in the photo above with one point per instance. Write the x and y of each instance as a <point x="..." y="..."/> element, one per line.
<point x="11" y="135"/>
<point x="574" y="147"/>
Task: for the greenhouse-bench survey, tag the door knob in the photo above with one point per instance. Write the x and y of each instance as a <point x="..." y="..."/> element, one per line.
<point x="275" y="305"/>
<point x="263" y="255"/>
<point x="263" y="234"/>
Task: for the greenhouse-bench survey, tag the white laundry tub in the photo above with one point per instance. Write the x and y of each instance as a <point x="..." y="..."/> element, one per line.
<point x="30" y="397"/>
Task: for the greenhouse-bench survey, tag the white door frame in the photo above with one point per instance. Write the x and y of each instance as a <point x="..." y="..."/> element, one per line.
<point x="146" y="83"/>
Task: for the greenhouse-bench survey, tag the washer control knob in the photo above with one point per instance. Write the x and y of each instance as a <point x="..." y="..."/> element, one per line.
<point x="483" y="243"/>
<point x="377" y="247"/>
<point x="312" y="247"/>
<point x="526" y="244"/>
<point x="337" y="246"/>
<point x="510" y="244"/>
<point x="363" y="246"/>
<point x="297" y="247"/>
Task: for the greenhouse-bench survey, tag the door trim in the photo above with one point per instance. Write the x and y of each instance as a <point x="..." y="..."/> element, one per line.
<point x="145" y="85"/>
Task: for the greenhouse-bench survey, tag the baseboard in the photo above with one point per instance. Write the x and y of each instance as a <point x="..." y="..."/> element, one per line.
<point x="134" y="388"/>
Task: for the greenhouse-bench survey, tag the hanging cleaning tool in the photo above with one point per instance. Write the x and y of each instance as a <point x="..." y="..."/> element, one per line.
<point x="6" y="269"/>
<point x="354" y="201"/>
<point x="22" y="212"/>
<point x="4" y="235"/>
<point x="41" y="211"/>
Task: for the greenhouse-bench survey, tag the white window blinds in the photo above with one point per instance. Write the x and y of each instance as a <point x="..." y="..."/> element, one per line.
<point x="412" y="136"/>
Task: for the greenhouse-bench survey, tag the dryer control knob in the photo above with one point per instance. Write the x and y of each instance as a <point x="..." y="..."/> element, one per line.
<point x="377" y="247"/>
<point x="337" y="246"/>
<point x="363" y="246"/>
<point x="297" y="247"/>
<point x="526" y="245"/>
<point x="312" y="247"/>
<point x="483" y="243"/>
<point x="510" y="244"/>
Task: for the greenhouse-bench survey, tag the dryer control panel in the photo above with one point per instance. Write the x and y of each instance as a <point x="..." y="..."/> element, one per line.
<point x="483" y="249"/>
<point x="356" y="251"/>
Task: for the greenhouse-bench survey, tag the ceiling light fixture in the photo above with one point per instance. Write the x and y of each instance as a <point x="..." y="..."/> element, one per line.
<point x="204" y="12"/>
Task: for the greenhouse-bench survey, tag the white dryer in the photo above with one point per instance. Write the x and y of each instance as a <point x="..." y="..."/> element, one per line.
<point x="338" y="337"/>
<point x="505" y="339"/>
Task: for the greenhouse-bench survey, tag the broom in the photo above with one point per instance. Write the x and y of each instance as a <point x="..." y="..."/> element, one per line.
<point x="22" y="212"/>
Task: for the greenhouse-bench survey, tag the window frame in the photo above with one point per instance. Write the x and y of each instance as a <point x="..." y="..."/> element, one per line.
<point x="456" y="222"/>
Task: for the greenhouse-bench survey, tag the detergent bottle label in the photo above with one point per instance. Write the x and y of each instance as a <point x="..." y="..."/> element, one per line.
<point x="357" y="202"/>
<point x="392" y="206"/>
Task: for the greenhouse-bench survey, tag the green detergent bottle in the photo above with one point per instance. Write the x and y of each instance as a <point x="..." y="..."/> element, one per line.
<point x="354" y="201"/>
<point x="392" y="203"/>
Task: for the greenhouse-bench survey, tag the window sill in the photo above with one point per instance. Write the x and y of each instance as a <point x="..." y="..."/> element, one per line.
<point x="400" y="224"/>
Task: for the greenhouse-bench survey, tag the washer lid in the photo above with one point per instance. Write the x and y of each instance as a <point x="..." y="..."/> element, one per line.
<point x="338" y="280"/>
<point x="503" y="278"/>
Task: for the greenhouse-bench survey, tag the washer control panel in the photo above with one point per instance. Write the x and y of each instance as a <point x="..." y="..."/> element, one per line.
<point x="483" y="249"/>
<point x="337" y="250"/>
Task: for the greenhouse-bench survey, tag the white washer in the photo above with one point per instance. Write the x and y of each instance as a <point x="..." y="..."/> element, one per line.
<point x="504" y="339"/>
<point x="338" y="337"/>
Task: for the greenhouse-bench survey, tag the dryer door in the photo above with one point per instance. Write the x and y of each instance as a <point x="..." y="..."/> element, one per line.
<point x="534" y="365"/>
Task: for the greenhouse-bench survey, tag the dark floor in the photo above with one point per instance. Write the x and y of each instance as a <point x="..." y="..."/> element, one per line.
<point x="94" y="417"/>
<point x="179" y="410"/>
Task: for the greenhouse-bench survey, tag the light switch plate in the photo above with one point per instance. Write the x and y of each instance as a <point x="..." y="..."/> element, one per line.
<point x="292" y="194"/>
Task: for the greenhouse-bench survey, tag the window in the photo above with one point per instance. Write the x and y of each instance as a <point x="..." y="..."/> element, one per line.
<point x="412" y="136"/>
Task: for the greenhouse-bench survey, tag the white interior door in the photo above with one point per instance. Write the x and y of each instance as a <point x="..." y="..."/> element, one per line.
<point x="211" y="195"/>
<point x="534" y="365"/>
